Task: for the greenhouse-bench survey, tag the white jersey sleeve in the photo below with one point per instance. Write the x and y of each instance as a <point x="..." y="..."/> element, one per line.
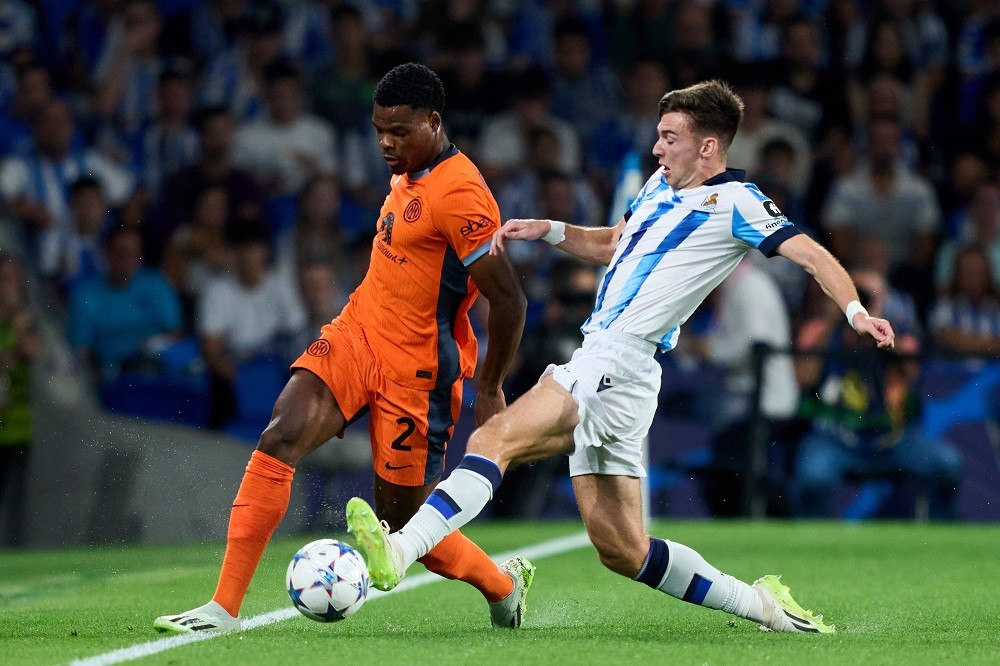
<point x="758" y="222"/>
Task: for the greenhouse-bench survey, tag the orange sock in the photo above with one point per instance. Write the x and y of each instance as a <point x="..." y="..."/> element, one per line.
<point x="458" y="558"/>
<point x="259" y="506"/>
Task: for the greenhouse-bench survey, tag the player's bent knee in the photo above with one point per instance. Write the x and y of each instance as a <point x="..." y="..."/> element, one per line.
<point x="281" y="442"/>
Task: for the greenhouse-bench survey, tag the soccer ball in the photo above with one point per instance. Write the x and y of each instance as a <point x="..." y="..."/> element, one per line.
<point x="327" y="580"/>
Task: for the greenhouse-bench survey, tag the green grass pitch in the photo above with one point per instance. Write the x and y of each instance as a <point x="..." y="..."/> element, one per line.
<point x="898" y="593"/>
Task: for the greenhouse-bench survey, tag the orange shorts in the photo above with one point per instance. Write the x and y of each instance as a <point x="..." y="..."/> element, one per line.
<point x="409" y="428"/>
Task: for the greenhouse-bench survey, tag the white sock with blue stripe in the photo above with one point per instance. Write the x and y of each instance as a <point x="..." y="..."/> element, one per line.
<point x="681" y="572"/>
<point x="457" y="500"/>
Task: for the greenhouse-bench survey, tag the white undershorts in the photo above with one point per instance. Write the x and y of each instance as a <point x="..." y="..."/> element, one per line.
<point x="615" y="381"/>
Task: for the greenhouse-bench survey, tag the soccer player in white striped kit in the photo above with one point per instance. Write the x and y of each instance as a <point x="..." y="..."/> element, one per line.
<point x="687" y="229"/>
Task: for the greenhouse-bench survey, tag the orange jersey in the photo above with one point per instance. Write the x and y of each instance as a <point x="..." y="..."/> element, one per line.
<point x="413" y="305"/>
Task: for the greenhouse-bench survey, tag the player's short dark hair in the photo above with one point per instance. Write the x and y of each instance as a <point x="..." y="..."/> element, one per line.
<point x="413" y="85"/>
<point x="713" y="106"/>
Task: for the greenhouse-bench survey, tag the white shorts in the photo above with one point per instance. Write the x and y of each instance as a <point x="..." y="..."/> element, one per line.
<point x="615" y="381"/>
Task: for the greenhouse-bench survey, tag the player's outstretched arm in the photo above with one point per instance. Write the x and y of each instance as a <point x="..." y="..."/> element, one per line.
<point x="837" y="284"/>
<point x="593" y="244"/>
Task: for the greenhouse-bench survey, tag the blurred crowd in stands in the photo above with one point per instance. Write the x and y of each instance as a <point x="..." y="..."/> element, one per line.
<point x="195" y="183"/>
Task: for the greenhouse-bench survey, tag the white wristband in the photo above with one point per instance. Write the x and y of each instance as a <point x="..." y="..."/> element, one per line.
<point x="557" y="233"/>
<point x="853" y="308"/>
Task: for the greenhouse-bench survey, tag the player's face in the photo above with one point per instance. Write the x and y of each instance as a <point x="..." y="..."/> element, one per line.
<point x="677" y="149"/>
<point x="409" y="138"/>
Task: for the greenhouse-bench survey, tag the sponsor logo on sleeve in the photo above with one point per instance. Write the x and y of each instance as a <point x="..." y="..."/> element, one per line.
<point x="472" y="226"/>
<point x="771" y="209"/>
<point x="318" y="348"/>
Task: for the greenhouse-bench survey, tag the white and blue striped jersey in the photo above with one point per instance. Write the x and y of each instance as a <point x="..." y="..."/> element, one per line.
<point x="677" y="246"/>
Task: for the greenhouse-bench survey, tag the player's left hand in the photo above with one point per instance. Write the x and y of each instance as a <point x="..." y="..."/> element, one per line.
<point x="487" y="404"/>
<point x="527" y="230"/>
<point x="879" y="329"/>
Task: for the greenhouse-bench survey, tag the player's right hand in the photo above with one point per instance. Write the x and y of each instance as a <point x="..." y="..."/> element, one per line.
<point x="528" y="230"/>
<point x="877" y="328"/>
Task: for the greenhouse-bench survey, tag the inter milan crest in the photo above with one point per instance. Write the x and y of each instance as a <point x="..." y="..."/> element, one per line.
<point x="385" y="227"/>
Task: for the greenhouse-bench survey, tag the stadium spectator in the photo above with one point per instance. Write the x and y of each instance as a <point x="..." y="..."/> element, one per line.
<point x="967" y="317"/>
<point x="32" y="93"/>
<point x="252" y="312"/>
<point x="20" y="344"/>
<point x="757" y="130"/>
<point x="503" y="144"/>
<point x="305" y="34"/>
<point x="980" y="226"/>
<point x="749" y="311"/>
<point x="473" y="92"/>
<point x="805" y="93"/>
<point x="885" y="199"/>
<point x="214" y="24"/>
<point x="124" y="316"/>
<point x="72" y="256"/>
<point x="288" y="146"/>
<point x="127" y="73"/>
<point x="169" y="143"/>
<point x="886" y="57"/>
<point x="200" y="250"/>
<point x="235" y="78"/>
<point x="695" y="55"/>
<point x="214" y="168"/>
<point x="36" y="186"/>
<point x="583" y="94"/>
<point x="864" y="415"/>
<point x="323" y="296"/>
<point x="756" y="29"/>
<point x="317" y="236"/>
<point x="341" y="90"/>
<point x="642" y="30"/>
<point x="523" y="195"/>
<point x="17" y="26"/>
<point x="632" y="130"/>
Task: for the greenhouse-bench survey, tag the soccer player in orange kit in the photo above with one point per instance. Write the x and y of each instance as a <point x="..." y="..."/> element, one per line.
<point x="400" y="350"/>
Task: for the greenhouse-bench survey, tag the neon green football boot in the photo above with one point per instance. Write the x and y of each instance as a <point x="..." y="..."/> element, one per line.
<point x="371" y="538"/>
<point x="782" y="613"/>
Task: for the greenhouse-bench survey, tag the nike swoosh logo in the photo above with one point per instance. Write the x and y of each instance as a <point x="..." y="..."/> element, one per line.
<point x="388" y="466"/>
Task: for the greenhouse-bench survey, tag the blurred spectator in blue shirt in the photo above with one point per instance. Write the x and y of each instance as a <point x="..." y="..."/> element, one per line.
<point x="169" y="143"/>
<point x="126" y="75"/>
<point x="631" y="130"/>
<point x="125" y="315"/>
<point x="235" y="78"/>
<point x="980" y="226"/>
<point x="966" y="319"/>
<point x="583" y="94"/>
<point x="342" y="90"/>
<point x="72" y="256"/>
<point x="17" y="26"/>
<point x="37" y="186"/>
<point x="32" y="93"/>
